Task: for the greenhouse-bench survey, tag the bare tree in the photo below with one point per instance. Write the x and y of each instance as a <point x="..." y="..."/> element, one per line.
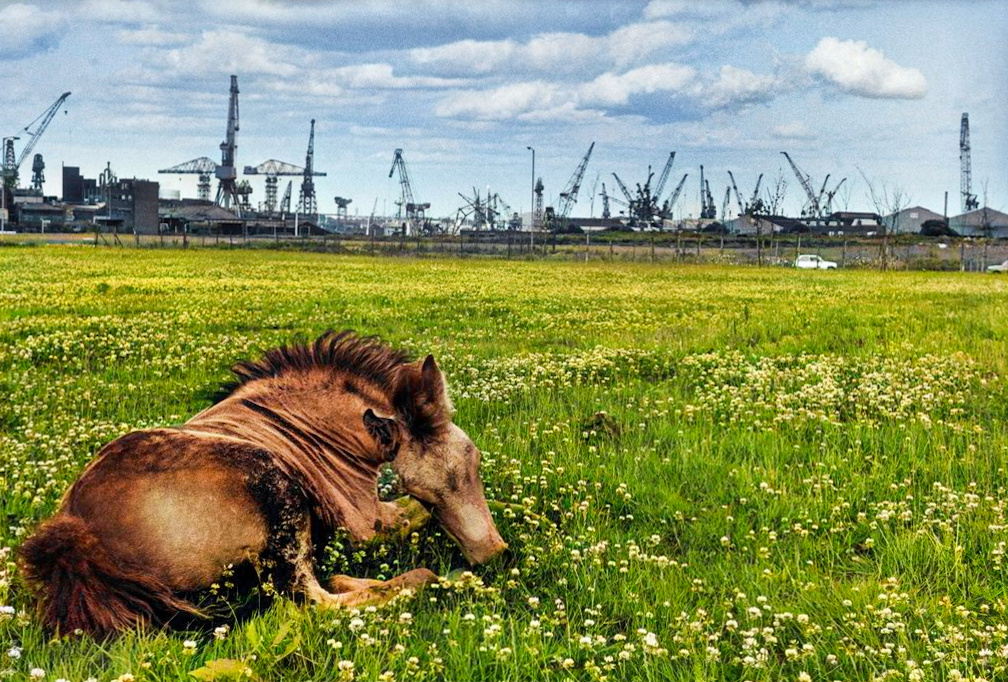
<point x="986" y="227"/>
<point x="771" y="206"/>
<point x="889" y="203"/>
<point x="845" y="194"/>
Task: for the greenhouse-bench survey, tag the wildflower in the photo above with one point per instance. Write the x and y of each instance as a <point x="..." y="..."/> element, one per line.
<point x="36" y="673"/>
<point x="14" y="652"/>
<point x="346" y="670"/>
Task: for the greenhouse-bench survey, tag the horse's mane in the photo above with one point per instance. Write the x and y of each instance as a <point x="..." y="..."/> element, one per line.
<point x="367" y="357"/>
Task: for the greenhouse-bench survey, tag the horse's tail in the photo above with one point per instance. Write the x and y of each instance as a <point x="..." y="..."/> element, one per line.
<point x="85" y="588"/>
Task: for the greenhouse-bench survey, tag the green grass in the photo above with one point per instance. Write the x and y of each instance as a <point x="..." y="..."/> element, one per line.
<point x="803" y="473"/>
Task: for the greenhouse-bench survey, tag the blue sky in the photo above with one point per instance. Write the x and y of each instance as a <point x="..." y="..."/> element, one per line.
<point x="464" y="88"/>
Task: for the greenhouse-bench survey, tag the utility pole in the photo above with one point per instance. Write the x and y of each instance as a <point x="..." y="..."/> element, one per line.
<point x="532" y="210"/>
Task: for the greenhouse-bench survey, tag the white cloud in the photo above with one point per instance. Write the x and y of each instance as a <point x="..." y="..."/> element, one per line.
<point x="555" y="53"/>
<point x="864" y="71"/>
<point x="507" y="101"/>
<point x="616" y="89"/>
<point x="736" y="86"/>
<point x="25" y="29"/>
<point x="475" y="56"/>
<point x="381" y="77"/>
<point x="229" y="52"/>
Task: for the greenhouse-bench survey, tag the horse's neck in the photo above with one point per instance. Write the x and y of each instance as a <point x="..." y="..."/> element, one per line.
<point x="319" y="436"/>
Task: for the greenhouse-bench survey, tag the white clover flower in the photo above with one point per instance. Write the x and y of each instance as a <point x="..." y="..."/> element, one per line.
<point x="36" y="673"/>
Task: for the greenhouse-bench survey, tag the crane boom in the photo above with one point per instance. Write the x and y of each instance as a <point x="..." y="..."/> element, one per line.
<point x="806" y="185"/>
<point x="755" y="192"/>
<point x="623" y="188"/>
<point x="12" y="163"/>
<point x="569" y="196"/>
<point x="738" y="197"/>
<point x="45" y="117"/>
<point x="670" y="204"/>
<point x="664" y="177"/>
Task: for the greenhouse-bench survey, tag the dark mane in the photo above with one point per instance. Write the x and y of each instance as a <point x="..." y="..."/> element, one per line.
<point x="367" y="357"/>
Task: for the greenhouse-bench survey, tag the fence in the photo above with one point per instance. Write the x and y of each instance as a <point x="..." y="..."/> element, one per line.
<point x="900" y="252"/>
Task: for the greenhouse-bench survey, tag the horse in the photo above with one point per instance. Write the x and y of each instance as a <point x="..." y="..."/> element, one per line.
<point x="290" y="452"/>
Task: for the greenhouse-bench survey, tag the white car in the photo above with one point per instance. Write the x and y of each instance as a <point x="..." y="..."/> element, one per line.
<point x="809" y="261"/>
<point x="1000" y="267"/>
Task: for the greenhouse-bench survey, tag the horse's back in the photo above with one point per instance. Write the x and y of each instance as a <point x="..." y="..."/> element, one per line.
<point x="175" y="503"/>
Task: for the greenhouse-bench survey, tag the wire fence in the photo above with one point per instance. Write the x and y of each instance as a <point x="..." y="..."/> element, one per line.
<point x="902" y="252"/>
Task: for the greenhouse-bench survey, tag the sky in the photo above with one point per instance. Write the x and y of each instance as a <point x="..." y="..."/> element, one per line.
<point x="851" y="88"/>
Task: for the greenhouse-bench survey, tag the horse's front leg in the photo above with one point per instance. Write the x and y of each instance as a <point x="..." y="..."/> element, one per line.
<point x="401" y="518"/>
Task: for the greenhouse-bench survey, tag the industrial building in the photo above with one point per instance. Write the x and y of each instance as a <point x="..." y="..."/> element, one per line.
<point x="981" y="222"/>
<point x="910" y="220"/>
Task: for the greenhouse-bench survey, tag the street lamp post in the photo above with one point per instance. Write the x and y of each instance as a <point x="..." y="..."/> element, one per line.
<point x="532" y="205"/>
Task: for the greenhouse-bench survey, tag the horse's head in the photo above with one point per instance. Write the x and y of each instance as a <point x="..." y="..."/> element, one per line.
<point x="436" y="461"/>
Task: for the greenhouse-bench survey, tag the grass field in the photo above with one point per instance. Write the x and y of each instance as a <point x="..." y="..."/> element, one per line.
<point x="798" y="475"/>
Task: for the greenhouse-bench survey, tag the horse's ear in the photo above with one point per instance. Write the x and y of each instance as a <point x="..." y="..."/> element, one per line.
<point x="385" y="431"/>
<point x="432" y="380"/>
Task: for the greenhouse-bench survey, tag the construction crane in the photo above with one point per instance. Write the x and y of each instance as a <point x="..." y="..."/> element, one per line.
<point x="664" y="176"/>
<point x="537" y="215"/>
<point x="414" y="209"/>
<point x="273" y="169"/>
<point x="623" y="188"/>
<point x="724" y="204"/>
<point x="38" y="173"/>
<point x="708" y="211"/>
<point x="755" y="193"/>
<point x="227" y="174"/>
<point x="341" y="207"/>
<point x="828" y="202"/>
<point x="669" y="204"/>
<point x="738" y="197"/>
<point x="568" y="197"/>
<point x="228" y="193"/>
<point x="969" y="200"/>
<point x="285" y="202"/>
<point x="307" y="202"/>
<point x="202" y="166"/>
<point x="12" y="163"/>
<point x="814" y="210"/>
<point x="605" y="204"/>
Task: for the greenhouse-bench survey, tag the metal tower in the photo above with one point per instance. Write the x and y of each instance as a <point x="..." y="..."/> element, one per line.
<point x="306" y="201"/>
<point x="969" y="200"/>
<point x="227" y="174"/>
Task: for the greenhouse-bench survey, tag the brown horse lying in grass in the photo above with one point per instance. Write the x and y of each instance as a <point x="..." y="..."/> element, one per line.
<point x="292" y="453"/>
